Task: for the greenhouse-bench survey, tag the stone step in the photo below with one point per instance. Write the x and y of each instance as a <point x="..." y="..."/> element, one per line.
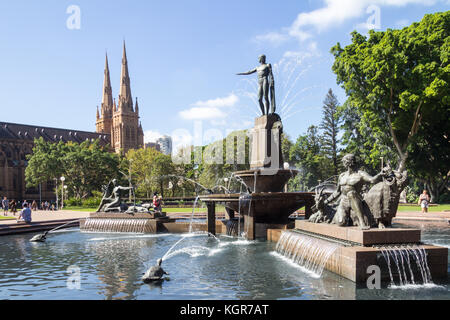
<point x="362" y="237"/>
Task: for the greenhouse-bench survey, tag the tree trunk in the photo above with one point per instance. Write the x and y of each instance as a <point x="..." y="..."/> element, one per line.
<point x="433" y="190"/>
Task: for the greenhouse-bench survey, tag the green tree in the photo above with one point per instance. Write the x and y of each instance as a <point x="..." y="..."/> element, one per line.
<point x="45" y="163"/>
<point x="330" y="126"/>
<point x="86" y="166"/>
<point x="399" y="82"/>
<point x="286" y="145"/>
<point x="150" y="170"/>
<point x="308" y="157"/>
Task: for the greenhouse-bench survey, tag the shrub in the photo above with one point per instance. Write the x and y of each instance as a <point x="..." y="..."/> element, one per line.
<point x="444" y="198"/>
<point x="73" y="202"/>
<point x="91" y="202"/>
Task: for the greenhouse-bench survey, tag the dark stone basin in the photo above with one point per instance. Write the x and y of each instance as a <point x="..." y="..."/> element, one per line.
<point x="267" y="180"/>
<point x="274" y="207"/>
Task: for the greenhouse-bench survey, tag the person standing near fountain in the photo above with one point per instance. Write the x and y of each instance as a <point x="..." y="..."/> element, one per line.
<point x="157" y="202"/>
<point x="5" y="205"/>
<point x="349" y="188"/>
<point x="266" y="84"/>
<point x="424" y="199"/>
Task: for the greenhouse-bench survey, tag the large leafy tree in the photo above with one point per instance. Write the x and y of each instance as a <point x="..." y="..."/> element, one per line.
<point x="398" y="80"/>
<point x="150" y="170"/>
<point x="86" y="166"/>
<point x="45" y="163"/>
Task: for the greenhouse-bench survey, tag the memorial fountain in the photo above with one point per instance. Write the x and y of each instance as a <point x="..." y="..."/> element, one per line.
<point x="346" y="232"/>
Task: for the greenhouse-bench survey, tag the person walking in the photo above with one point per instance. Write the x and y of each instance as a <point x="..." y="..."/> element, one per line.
<point x="5" y="205"/>
<point x="13" y="206"/>
<point x="424" y="200"/>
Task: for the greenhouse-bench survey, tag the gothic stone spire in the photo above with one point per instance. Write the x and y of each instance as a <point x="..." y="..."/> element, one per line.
<point x="107" y="100"/>
<point x="125" y="99"/>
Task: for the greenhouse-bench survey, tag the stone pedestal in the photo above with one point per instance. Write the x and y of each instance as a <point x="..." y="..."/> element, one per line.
<point x="360" y="249"/>
<point x="266" y="142"/>
<point x="354" y="235"/>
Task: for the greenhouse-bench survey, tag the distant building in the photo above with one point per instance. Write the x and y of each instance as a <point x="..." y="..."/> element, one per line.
<point x="153" y="145"/>
<point x="165" y="144"/>
<point x="120" y="121"/>
<point x="16" y="142"/>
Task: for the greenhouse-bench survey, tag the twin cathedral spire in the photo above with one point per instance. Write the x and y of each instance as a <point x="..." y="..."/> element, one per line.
<point x="120" y="120"/>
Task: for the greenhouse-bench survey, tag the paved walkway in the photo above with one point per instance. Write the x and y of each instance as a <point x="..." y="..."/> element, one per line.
<point x="43" y="216"/>
<point x="419" y="216"/>
<point x="44" y="220"/>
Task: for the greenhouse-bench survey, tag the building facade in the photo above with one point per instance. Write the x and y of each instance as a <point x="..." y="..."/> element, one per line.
<point x="165" y="145"/>
<point x="121" y="120"/>
<point x="152" y="145"/>
<point x="16" y="142"/>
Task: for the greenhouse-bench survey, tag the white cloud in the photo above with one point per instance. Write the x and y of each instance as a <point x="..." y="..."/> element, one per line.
<point x="275" y="38"/>
<point x="332" y="14"/>
<point x="151" y="136"/>
<point x="229" y="101"/>
<point x="209" y="109"/>
<point x="201" y="113"/>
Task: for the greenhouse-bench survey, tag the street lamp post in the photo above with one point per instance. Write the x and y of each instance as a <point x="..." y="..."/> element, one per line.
<point x="56" y="191"/>
<point x="62" y="192"/>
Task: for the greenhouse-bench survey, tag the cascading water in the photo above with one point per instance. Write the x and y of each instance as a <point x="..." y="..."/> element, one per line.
<point x="306" y="251"/>
<point x="402" y="261"/>
<point x="114" y="225"/>
<point x="192" y="215"/>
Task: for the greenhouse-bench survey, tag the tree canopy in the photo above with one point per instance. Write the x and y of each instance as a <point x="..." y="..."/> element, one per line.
<point x="398" y="80"/>
<point x="86" y="166"/>
<point x="397" y="83"/>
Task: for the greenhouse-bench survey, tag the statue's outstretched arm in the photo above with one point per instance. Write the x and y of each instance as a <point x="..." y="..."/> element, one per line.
<point x="246" y="73"/>
<point x="336" y="194"/>
<point x="369" y="179"/>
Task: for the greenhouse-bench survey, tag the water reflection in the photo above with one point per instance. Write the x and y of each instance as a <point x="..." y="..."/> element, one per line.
<point x="111" y="267"/>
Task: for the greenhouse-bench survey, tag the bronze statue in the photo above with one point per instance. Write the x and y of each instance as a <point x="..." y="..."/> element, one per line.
<point x="266" y="84"/>
<point x="383" y="198"/>
<point x="376" y="207"/>
<point x="348" y="192"/>
<point x="112" y="200"/>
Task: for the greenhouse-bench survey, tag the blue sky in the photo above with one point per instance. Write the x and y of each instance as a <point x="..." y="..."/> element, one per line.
<point x="183" y="56"/>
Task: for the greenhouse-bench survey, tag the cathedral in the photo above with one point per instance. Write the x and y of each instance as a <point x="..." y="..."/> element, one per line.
<point x="120" y="120"/>
<point x="116" y="125"/>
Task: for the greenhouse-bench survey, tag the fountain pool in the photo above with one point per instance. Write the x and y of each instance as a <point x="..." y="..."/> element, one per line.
<point x="200" y="267"/>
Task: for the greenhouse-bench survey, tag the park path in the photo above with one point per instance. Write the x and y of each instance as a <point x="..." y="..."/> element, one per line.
<point x="45" y="220"/>
<point x="43" y="216"/>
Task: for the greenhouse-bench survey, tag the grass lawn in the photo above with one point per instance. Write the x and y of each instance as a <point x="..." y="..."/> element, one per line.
<point x="7" y="218"/>
<point x="438" y="208"/>
<point x="83" y="209"/>
<point x="169" y="210"/>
